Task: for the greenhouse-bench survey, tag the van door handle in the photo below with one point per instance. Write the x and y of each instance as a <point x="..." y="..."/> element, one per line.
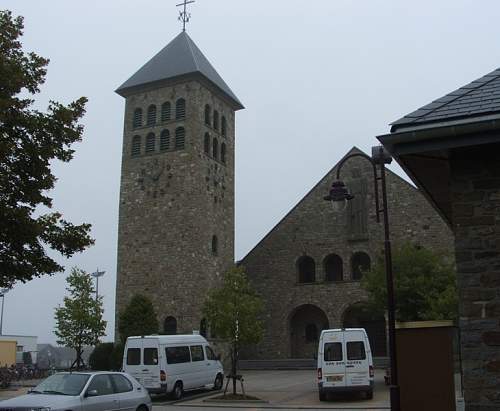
<point x="349" y="366"/>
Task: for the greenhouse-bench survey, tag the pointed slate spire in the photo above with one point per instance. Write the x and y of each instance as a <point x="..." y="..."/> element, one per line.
<point x="180" y="58"/>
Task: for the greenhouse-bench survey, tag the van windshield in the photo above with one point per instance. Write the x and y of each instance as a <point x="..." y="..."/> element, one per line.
<point x="333" y="351"/>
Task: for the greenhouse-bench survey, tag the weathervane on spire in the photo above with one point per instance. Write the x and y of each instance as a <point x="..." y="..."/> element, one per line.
<point x="183" y="15"/>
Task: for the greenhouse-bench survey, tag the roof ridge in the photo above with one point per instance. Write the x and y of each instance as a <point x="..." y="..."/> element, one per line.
<point x="192" y="52"/>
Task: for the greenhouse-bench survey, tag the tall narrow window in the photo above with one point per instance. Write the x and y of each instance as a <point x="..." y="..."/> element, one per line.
<point x="180" y="109"/>
<point x="206" y="143"/>
<point x="137" y="121"/>
<point x="360" y="263"/>
<point x="136" y="146"/>
<point x="150" y="143"/>
<point x="216" y="120"/>
<point x="164" y="140"/>
<point x="333" y="268"/>
<point x="307" y="269"/>
<point x="165" y="111"/>
<point x="207" y="115"/>
<point x="180" y="137"/>
<point x="223" y="126"/>
<point x="215" y="245"/>
<point x="151" y="115"/>
<point x="223" y="153"/>
<point x="215" y="149"/>
<point x="170" y="326"/>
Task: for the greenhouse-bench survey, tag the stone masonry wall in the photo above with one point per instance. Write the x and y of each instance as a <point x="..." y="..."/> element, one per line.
<point x="476" y="218"/>
<point x="171" y="204"/>
<point x="312" y="228"/>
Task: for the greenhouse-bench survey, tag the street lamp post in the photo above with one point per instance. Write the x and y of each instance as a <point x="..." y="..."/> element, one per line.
<point x="339" y="195"/>
<point x="96" y="274"/>
<point x="3" y="291"/>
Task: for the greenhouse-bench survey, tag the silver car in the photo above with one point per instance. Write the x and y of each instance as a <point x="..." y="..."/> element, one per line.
<point x="83" y="391"/>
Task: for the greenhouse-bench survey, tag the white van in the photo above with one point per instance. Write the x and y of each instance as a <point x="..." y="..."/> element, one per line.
<point x="172" y="363"/>
<point x="345" y="362"/>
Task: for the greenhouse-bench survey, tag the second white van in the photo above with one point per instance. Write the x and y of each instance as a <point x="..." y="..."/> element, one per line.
<point x="172" y="364"/>
<point x="345" y="362"/>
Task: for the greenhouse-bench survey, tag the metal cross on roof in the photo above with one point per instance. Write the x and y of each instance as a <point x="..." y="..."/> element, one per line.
<point x="183" y="15"/>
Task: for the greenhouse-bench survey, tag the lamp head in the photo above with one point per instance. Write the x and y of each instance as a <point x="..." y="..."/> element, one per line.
<point x="338" y="196"/>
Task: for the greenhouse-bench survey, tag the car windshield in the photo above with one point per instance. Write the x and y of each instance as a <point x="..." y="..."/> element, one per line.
<point x="62" y="384"/>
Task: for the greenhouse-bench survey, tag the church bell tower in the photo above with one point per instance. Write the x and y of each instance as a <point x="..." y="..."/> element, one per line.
<point x="176" y="214"/>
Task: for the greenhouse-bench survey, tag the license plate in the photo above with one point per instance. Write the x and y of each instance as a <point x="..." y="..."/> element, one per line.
<point x="334" y="378"/>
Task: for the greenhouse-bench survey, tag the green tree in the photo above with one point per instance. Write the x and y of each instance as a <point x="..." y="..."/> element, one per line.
<point x="138" y="318"/>
<point x="79" y="321"/>
<point x="424" y="284"/>
<point x="100" y="359"/>
<point x="30" y="142"/>
<point x="233" y="311"/>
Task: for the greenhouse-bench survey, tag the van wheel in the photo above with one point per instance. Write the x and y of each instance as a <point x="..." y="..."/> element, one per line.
<point x="322" y="396"/>
<point x="369" y="394"/>
<point x="177" y="391"/>
<point x="218" y="382"/>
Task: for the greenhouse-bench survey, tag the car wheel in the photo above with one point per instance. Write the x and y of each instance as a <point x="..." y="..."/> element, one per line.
<point x="142" y="408"/>
<point x="218" y="382"/>
<point x="177" y="391"/>
<point x="322" y="396"/>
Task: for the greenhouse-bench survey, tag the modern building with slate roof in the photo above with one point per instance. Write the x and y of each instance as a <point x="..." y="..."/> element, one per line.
<point x="176" y="215"/>
<point x="451" y="150"/>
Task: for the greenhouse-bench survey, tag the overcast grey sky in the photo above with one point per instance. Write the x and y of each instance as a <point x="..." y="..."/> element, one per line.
<point x="316" y="78"/>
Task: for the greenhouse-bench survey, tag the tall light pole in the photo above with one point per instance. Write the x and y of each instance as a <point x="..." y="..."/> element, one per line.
<point x="3" y="291"/>
<point x="339" y="195"/>
<point x="96" y="274"/>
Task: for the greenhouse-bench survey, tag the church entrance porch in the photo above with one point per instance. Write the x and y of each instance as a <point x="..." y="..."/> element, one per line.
<point x="306" y="323"/>
<point x="360" y="315"/>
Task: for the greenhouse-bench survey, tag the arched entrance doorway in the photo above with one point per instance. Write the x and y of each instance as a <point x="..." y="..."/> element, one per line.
<point x="360" y="315"/>
<point x="306" y="323"/>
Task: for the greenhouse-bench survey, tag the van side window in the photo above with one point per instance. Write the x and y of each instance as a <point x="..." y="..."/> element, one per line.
<point x="150" y="356"/>
<point x="177" y="355"/>
<point x="197" y="353"/>
<point x="133" y="356"/>
<point x="356" y="350"/>
<point x="333" y="352"/>
<point x="210" y="353"/>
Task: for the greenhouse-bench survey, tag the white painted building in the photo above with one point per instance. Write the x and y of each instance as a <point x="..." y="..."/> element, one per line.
<point x="24" y="343"/>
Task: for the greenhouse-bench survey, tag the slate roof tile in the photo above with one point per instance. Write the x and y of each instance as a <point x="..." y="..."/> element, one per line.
<point x="478" y="98"/>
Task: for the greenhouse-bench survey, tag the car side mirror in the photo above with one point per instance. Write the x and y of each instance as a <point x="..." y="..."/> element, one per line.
<point x="91" y="393"/>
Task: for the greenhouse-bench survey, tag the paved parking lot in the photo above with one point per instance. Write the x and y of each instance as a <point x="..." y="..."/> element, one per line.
<point x="290" y="390"/>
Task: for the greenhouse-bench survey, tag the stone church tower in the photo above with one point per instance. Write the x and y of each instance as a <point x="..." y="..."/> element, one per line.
<point x="176" y="218"/>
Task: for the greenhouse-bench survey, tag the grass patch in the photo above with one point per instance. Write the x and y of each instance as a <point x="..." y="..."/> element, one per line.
<point x="236" y="397"/>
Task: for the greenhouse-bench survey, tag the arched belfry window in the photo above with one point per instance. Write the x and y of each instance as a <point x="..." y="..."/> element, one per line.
<point x="180" y="109"/>
<point x="216" y="120"/>
<point x="215" y="149"/>
<point x="360" y="262"/>
<point x="164" y="140"/>
<point x="206" y="143"/>
<point x="165" y="111"/>
<point x="333" y="268"/>
<point x="150" y="143"/>
<point x="203" y="327"/>
<point x="223" y="127"/>
<point x="170" y="326"/>
<point x="180" y="137"/>
<point x="151" y="120"/>
<point x="311" y="332"/>
<point x="215" y="245"/>
<point x="307" y="269"/>
<point x="223" y="153"/>
<point x="207" y="115"/>
<point x="136" y="146"/>
<point x="137" y="120"/>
